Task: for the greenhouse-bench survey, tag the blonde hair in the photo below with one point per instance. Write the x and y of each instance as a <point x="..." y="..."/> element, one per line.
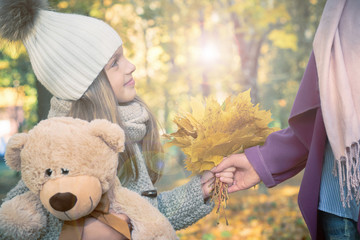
<point x="99" y="102"/>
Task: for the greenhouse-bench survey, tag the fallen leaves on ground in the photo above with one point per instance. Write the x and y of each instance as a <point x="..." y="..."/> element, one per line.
<point x="253" y="215"/>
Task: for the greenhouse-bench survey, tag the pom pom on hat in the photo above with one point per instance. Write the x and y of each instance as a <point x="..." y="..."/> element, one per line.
<point x="67" y="51"/>
<point x="17" y="17"/>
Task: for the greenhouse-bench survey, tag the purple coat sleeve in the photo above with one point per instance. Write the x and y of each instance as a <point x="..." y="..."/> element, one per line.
<point x="281" y="157"/>
<point x="285" y="152"/>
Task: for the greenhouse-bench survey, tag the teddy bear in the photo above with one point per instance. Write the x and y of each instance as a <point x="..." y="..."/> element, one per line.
<point x="70" y="168"/>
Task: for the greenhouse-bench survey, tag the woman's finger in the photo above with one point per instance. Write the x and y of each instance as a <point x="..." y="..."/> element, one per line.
<point x="229" y="181"/>
<point x="230" y="169"/>
<point x="225" y="174"/>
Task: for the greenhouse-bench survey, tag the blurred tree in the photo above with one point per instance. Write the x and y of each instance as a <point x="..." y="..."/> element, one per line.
<point x="254" y="22"/>
<point x="281" y="69"/>
<point x="16" y="72"/>
<point x="196" y="48"/>
<point x="43" y="101"/>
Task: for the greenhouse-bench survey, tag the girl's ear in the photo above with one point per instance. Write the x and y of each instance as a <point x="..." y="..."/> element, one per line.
<point x="13" y="150"/>
<point x="111" y="133"/>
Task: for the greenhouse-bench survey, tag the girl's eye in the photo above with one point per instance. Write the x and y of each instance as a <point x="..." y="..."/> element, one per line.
<point x="114" y="63"/>
<point x="65" y="171"/>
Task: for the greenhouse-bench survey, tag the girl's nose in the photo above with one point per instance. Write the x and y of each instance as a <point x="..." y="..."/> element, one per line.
<point x="131" y="67"/>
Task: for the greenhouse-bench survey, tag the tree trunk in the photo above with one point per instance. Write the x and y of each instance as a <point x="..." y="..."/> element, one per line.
<point x="43" y="98"/>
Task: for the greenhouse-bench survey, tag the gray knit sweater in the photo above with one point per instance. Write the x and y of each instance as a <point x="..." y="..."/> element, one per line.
<point x="183" y="205"/>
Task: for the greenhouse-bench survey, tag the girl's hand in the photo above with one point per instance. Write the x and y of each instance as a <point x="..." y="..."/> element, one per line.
<point x="207" y="183"/>
<point x="95" y="230"/>
<point x="208" y="180"/>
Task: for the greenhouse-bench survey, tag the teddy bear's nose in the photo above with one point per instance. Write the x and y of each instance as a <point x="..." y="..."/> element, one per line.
<point x="63" y="201"/>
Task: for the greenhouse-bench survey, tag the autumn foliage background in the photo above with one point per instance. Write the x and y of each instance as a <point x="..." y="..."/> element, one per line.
<point x="186" y="49"/>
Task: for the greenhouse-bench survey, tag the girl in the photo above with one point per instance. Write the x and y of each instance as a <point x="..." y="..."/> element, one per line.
<point x="80" y="61"/>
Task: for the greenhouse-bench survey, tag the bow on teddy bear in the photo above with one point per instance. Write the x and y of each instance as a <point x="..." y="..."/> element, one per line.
<point x="70" y="167"/>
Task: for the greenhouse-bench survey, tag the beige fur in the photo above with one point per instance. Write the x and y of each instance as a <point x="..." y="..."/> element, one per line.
<point x="55" y="157"/>
<point x="22" y="218"/>
<point x="156" y="227"/>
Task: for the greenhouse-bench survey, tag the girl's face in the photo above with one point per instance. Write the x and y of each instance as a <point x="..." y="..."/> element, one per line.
<point x="119" y="72"/>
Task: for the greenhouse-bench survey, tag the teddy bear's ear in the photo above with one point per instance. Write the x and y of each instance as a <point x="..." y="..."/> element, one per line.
<point x="111" y="133"/>
<point x="13" y="150"/>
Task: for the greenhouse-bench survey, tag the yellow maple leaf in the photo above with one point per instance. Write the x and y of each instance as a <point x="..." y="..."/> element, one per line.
<point x="212" y="131"/>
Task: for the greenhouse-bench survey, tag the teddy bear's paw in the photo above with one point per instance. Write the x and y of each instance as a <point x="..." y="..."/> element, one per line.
<point x="20" y="218"/>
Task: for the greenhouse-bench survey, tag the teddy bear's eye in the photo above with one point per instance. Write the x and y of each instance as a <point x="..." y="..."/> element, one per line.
<point x="48" y="172"/>
<point x="64" y="171"/>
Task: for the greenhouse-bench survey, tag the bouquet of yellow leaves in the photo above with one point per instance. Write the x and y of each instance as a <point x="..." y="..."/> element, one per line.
<point x="213" y="131"/>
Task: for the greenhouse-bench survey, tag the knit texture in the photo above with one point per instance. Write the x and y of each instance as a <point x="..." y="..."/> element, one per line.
<point x="59" y="107"/>
<point x="68" y="51"/>
<point x="134" y="118"/>
<point x="183" y="205"/>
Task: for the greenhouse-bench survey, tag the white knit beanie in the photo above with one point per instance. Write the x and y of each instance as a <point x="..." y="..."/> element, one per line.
<point x="67" y="51"/>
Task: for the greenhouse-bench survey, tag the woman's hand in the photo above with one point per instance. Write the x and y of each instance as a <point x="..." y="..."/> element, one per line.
<point x="208" y="180"/>
<point x="244" y="176"/>
<point x="95" y="230"/>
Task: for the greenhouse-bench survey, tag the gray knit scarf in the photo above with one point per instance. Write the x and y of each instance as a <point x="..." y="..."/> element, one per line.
<point x="134" y="117"/>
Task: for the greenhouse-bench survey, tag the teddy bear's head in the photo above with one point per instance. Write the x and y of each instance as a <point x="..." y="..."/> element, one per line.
<point x="68" y="162"/>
